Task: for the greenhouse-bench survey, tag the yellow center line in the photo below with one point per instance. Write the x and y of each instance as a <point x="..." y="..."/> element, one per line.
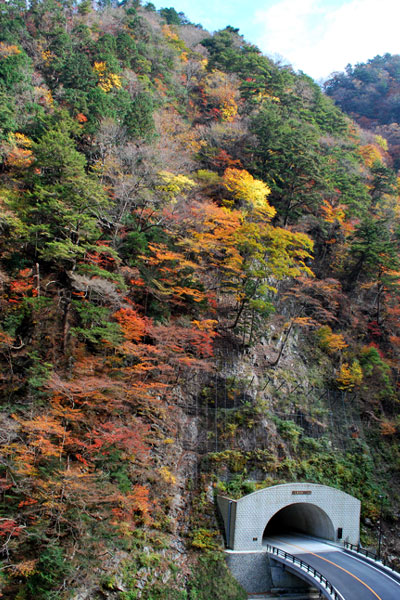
<point x="335" y="565"/>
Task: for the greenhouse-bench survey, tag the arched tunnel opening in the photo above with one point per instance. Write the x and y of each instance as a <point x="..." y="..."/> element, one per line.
<point x="300" y="518"/>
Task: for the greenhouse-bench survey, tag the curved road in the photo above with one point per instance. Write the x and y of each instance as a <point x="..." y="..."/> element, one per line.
<point x="354" y="578"/>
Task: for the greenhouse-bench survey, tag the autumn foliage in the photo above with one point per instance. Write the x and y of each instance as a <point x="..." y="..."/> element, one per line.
<point x="172" y="203"/>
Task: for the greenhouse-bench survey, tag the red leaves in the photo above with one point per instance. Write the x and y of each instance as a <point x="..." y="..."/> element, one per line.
<point x="23" y="286"/>
<point x="9" y="528"/>
<point x="129" y="438"/>
<point x="27" y="502"/>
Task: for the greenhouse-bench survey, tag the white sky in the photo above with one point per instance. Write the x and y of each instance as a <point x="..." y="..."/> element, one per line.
<point x="318" y="37"/>
<point x="315" y="36"/>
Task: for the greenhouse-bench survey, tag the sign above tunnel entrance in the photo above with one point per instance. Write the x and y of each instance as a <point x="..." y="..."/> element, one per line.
<point x="312" y="509"/>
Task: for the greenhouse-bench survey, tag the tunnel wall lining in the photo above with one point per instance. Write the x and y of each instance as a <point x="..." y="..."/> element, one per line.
<point x="246" y="519"/>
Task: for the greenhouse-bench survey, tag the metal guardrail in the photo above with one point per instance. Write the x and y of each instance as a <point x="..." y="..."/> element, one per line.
<point x="366" y="553"/>
<point x="332" y="591"/>
<point x="380" y="563"/>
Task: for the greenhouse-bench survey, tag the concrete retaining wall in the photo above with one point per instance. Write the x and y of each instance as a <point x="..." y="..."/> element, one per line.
<point x="257" y="573"/>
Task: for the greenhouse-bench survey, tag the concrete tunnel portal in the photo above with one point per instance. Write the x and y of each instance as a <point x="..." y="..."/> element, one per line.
<point x="300" y="518"/>
<point x="312" y="509"/>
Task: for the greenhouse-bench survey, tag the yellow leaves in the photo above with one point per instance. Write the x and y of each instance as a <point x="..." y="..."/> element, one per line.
<point x="349" y="376"/>
<point x="382" y="142"/>
<point x="229" y="110"/>
<point x="194" y="294"/>
<point x="169" y="34"/>
<point x="47" y="57"/>
<point x="174" y="40"/>
<point x="252" y="192"/>
<point x="174" y="185"/>
<point x="204" y="539"/>
<point x="329" y="341"/>
<point x="287" y="252"/>
<point x="100" y="68"/>
<point x="167" y="476"/>
<point x="20" y="140"/>
<point x="222" y="92"/>
<point x="205" y="325"/>
<point x="7" y="50"/>
<point x="303" y="321"/>
<point x="44" y="96"/>
<point x="107" y="80"/>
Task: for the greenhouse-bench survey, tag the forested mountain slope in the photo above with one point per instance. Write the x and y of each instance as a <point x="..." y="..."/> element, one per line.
<point x="199" y="293"/>
<point x="370" y="94"/>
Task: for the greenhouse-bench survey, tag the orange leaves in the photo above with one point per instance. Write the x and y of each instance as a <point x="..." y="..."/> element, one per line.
<point x="166" y="259"/>
<point x="388" y="428"/>
<point x="170" y="271"/>
<point x="329" y="341"/>
<point x="133" y="326"/>
<point x="81" y="118"/>
<point x="332" y="213"/>
<point x="19" y="155"/>
<point x="19" y="158"/>
<point x="320" y="297"/>
<point x="27" y="502"/>
<point x="5" y="340"/>
<point x="133" y="508"/>
<point x="23" y="286"/>
<point x="8" y="50"/>
<point x="188" y="346"/>
<point x="370" y="154"/>
<point x="212" y="237"/>
<point x="46" y="435"/>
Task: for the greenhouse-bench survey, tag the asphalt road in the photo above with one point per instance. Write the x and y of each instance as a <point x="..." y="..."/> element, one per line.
<point x="352" y="577"/>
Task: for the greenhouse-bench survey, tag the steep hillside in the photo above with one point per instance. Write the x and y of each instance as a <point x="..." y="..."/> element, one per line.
<point x="370" y="94"/>
<point x="199" y="293"/>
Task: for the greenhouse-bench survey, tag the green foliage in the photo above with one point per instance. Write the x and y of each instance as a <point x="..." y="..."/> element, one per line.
<point x="237" y="486"/>
<point x="51" y="569"/>
<point x="172" y="17"/>
<point x="138" y="120"/>
<point x="374" y="249"/>
<point x="38" y="374"/>
<point x="288" y="430"/>
<point x="369" y="91"/>
<point x="213" y="580"/>
<point x="96" y="328"/>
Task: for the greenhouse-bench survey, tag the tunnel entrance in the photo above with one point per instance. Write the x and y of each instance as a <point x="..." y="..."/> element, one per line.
<point x="301" y="518"/>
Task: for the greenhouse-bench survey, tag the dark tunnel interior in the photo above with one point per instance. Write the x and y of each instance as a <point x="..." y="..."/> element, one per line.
<point x="301" y="518"/>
